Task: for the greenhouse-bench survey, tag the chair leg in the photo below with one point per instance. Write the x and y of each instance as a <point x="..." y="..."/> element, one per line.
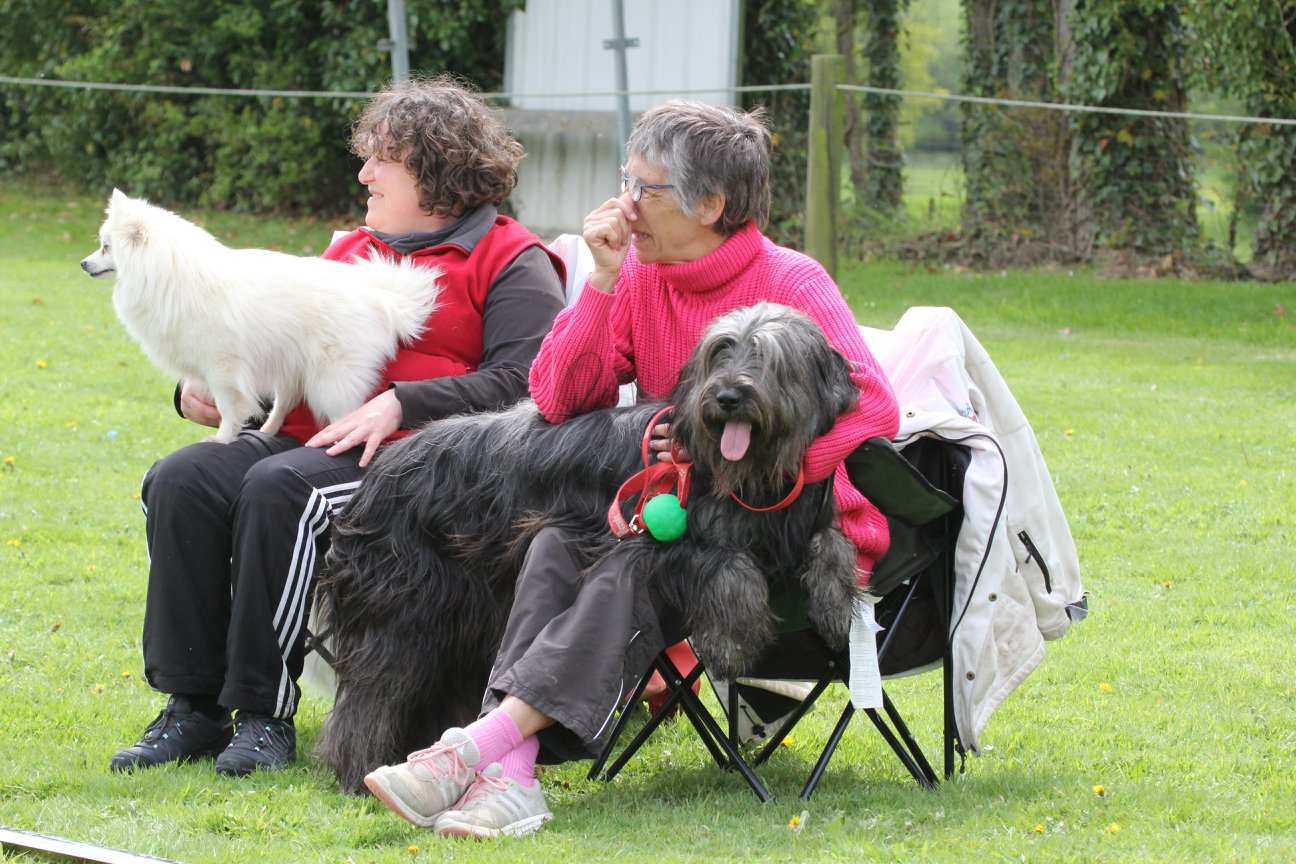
<point x="709" y="730"/>
<point x="899" y="749"/>
<point x="906" y="750"/>
<point x="319" y="644"/>
<point x="678" y="686"/>
<point x="795" y="717"/>
<point x="725" y="754"/>
<point x="928" y="777"/>
<point x="829" y="749"/>
<point x="950" y="728"/>
<point x="623" y="717"/>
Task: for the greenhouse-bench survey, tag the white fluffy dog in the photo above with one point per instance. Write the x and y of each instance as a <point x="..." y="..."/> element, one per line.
<point x="250" y="323"/>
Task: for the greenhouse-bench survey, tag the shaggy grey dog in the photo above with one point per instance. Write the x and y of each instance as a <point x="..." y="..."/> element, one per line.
<point x="419" y="580"/>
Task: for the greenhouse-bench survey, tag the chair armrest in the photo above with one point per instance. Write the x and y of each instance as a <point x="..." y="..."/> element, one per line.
<point x="885" y="477"/>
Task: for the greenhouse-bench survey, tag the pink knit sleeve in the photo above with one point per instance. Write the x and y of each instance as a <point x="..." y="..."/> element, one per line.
<point x="579" y="366"/>
<point x="877" y="412"/>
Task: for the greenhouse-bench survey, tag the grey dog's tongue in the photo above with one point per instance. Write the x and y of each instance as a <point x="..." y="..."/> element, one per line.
<point x="735" y="440"/>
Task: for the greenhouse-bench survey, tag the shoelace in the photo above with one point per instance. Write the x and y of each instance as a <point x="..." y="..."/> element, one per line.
<point x="255" y="728"/>
<point x="252" y="726"/>
<point x="454" y="767"/>
<point x="159" y="725"/>
<point x="484" y="784"/>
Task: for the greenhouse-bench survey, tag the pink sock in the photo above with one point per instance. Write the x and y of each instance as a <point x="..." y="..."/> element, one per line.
<point x="495" y="734"/>
<point x="519" y="763"/>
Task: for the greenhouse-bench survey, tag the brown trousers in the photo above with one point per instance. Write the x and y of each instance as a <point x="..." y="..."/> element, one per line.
<point x="577" y="641"/>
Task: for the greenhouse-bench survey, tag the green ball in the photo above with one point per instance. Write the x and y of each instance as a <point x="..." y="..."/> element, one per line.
<point x="664" y="517"/>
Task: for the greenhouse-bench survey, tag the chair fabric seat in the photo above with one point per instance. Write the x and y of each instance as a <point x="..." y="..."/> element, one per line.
<point x="913" y="608"/>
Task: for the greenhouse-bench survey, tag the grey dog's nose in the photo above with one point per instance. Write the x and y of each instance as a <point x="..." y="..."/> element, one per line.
<point x="729" y="399"/>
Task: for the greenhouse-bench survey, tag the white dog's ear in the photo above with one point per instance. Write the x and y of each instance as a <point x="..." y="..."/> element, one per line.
<point x="131" y="228"/>
<point x="134" y="233"/>
<point x="117" y="201"/>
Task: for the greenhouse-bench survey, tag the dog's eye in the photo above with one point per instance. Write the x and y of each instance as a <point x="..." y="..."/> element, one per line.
<point x="104" y="248"/>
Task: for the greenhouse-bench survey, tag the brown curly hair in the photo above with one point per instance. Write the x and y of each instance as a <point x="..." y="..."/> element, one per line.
<point x="458" y="150"/>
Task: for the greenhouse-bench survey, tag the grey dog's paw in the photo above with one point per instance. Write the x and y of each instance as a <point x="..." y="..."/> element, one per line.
<point x="831" y="586"/>
<point x="731" y="623"/>
<point x="728" y="657"/>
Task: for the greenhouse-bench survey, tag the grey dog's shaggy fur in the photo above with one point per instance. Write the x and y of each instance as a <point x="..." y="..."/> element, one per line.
<point x="420" y="576"/>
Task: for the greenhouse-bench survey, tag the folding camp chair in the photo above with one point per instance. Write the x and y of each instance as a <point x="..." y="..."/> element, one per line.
<point x="919" y="491"/>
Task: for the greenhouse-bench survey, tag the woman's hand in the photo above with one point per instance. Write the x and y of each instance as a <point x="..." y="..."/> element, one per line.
<point x="371" y="423"/>
<point x="197" y="405"/>
<point x="661" y="443"/>
<point x="607" y="232"/>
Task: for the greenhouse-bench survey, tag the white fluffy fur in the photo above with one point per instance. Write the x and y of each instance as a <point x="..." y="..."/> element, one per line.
<point x="248" y="323"/>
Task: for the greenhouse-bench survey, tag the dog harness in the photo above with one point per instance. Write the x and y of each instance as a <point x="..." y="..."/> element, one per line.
<point x="665" y="520"/>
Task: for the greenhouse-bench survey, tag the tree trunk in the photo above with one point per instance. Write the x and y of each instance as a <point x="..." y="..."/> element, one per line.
<point x="847" y="18"/>
<point x="1135" y="174"/>
<point x="1063" y="143"/>
<point x="778" y="39"/>
<point x="1015" y="160"/>
<point x="1270" y="151"/>
<point x="884" y="181"/>
<point x="978" y="121"/>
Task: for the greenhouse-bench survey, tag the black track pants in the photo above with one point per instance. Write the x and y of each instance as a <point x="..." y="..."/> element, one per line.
<point x="236" y="533"/>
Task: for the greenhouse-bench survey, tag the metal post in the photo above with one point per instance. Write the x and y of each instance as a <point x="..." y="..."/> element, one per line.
<point x="619" y="43"/>
<point x="398" y="44"/>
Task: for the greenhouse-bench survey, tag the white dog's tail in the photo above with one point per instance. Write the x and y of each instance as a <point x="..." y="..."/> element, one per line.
<point x="413" y="289"/>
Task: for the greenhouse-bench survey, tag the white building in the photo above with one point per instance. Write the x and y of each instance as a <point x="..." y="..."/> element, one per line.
<point x="685" y="48"/>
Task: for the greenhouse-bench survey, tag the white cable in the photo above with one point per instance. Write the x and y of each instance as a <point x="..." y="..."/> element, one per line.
<point x="759" y="88"/>
<point x="1063" y="106"/>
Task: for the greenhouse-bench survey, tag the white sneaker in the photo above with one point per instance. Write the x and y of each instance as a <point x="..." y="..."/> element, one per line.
<point x="430" y="781"/>
<point x="495" y="805"/>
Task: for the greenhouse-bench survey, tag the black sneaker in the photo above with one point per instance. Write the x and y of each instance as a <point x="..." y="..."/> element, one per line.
<point x="259" y="742"/>
<point x="178" y="734"/>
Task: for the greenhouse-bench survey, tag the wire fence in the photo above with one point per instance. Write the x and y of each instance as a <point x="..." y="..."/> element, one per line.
<point x="758" y="88"/>
<point x="933" y="172"/>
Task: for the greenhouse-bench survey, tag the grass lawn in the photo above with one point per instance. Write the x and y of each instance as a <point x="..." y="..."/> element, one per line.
<point x="1163" y="728"/>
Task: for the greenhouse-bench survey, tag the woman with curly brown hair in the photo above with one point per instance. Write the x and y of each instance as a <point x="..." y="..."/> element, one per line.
<point x="236" y="532"/>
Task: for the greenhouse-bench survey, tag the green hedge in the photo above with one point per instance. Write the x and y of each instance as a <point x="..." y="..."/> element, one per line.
<point x="267" y="154"/>
<point x="239" y="152"/>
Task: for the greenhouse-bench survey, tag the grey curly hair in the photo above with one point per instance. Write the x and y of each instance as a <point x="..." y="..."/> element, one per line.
<point x="706" y="149"/>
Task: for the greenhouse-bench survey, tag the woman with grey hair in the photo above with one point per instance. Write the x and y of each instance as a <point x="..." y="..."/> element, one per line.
<point x="680" y="246"/>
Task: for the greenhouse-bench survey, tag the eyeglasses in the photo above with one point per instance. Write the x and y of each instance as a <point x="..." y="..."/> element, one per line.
<point x="635" y="185"/>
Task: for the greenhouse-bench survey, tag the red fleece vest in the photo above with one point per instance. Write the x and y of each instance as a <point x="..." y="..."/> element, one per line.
<point x="451" y="344"/>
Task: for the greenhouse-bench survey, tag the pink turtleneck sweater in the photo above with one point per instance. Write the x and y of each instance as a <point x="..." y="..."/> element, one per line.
<point x="646" y="330"/>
